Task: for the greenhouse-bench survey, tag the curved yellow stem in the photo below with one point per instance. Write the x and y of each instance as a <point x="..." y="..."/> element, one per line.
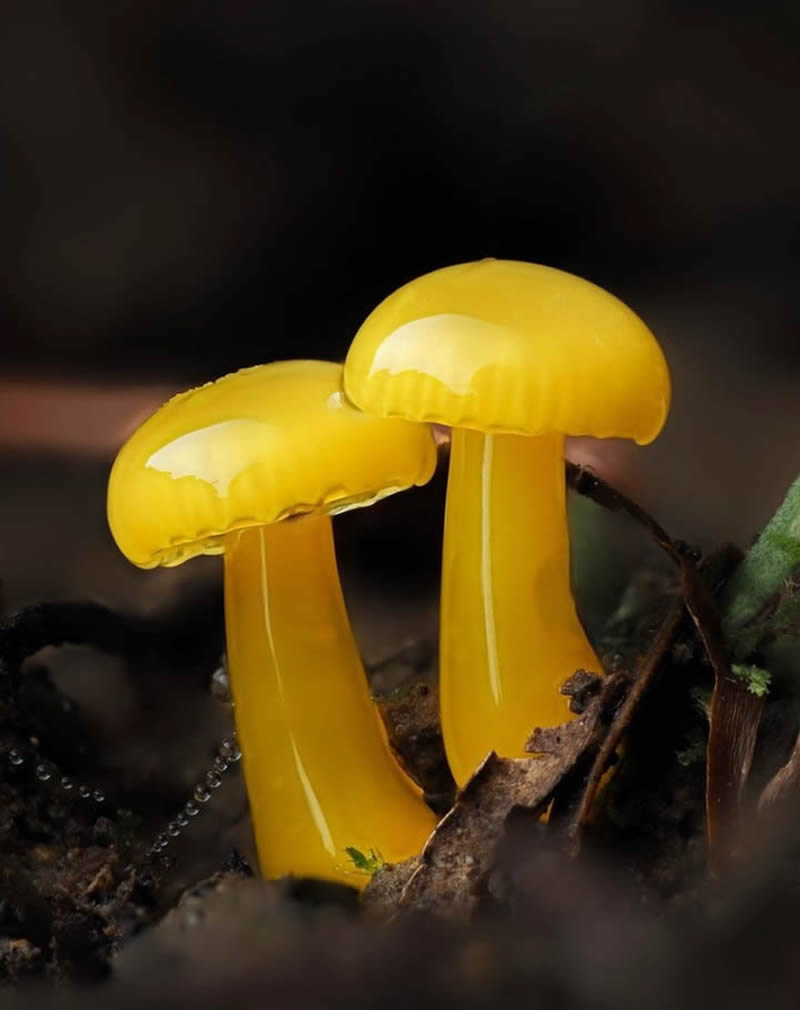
<point x="319" y="772"/>
<point x="509" y="632"/>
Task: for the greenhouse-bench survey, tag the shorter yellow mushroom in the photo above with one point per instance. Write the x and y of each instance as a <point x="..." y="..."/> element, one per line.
<point x="252" y="467"/>
<point x="512" y="356"/>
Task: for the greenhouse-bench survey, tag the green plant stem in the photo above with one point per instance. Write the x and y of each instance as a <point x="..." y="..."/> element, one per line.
<point x="763" y="597"/>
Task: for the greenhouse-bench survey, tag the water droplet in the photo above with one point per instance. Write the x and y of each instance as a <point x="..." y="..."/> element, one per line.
<point x="229" y="749"/>
<point x="182" y="820"/>
<point x="173" y="830"/>
<point x="15" y="757"/>
<point x="42" y="772"/>
<point x="66" y="783"/>
<point x="220" y="685"/>
<point x="213" y="780"/>
<point x="98" y="796"/>
<point x="220" y="764"/>
<point x="162" y="841"/>
<point x="84" y="792"/>
<point x="201" y="794"/>
<point x="191" y="809"/>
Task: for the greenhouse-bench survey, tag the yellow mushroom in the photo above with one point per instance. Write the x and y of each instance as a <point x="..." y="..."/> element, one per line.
<point x="513" y="356"/>
<point x="253" y="466"/>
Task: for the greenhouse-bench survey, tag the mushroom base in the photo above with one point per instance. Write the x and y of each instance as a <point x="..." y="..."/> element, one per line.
<point x="510" y="635"/>
<point x="320" y="775"/>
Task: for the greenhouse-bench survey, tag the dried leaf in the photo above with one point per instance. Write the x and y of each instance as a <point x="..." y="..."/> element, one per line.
<point x="735" y="718"/>
<point x="461" y="850"/>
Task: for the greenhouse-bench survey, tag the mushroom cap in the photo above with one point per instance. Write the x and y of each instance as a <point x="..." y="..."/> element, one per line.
<point x="504" y="346"/>
<point x="252" y="448"/>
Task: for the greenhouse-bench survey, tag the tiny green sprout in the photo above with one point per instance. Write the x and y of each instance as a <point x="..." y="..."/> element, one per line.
<point x="756" y="680"/>
<point x="369" y="864"/>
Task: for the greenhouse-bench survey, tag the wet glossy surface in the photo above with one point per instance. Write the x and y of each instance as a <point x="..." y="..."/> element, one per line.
<point x="509" y="632"/>
<point x="253" y="447"/>
<point x="506" y="346"/>
<point x="515" y="350"/>
<point x="319" y="772"/>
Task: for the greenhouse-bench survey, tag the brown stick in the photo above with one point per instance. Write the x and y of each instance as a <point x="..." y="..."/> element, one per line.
<point x="586" y="482"/>
<point x="650" y="664"/>
<point x="735" y="712"/>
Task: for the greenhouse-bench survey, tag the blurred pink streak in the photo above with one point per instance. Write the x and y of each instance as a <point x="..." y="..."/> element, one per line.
<point x="80" y="418"/>
<point x="605" y="456"/>
<point x="96" y="420"/>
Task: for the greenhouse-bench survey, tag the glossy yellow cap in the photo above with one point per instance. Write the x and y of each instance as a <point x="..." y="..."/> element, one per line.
<point x="503" y="346"/>
<point x="255" y="447"/>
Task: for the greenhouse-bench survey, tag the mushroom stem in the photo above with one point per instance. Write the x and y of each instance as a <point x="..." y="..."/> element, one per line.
<point x="319" y="772"/>
<point x="510" y="635"/>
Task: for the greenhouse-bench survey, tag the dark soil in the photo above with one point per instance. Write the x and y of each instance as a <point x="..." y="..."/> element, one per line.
<point x="85" y="897"/>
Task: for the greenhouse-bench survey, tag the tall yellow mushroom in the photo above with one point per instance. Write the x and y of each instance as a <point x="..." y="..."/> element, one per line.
<point x="252" y="467"/>
<point x="513" y="356"/>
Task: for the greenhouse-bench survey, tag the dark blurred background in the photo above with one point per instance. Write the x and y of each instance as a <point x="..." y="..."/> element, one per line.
<point x="187" y="188"/>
